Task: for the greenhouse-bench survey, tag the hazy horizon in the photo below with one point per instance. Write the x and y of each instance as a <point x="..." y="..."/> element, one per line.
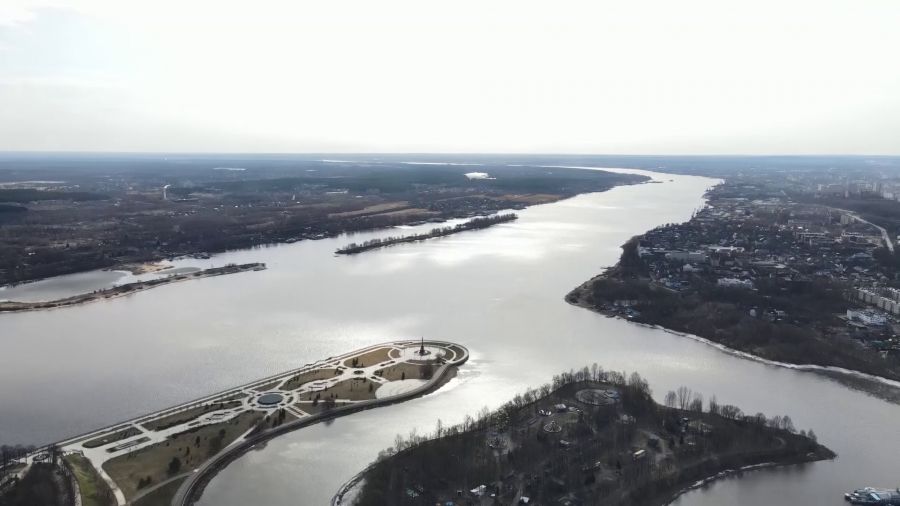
<point x="450" y="153"/>
<point x="608" y="78"/>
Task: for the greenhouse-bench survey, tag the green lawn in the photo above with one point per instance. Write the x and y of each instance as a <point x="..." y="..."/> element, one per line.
<point x="161" y="496"/>
<point x="94" y="491"/>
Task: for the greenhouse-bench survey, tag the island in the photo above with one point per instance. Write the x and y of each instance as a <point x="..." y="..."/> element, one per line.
<point x="129" y="288"/>
<point x="589" y="437"/>
<point x="473" y="224"/>
<point x="167" y="457"/>
<point x="69" y="213"/>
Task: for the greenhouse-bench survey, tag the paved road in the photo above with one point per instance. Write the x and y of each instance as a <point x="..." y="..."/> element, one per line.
<point x="884" y="233"/>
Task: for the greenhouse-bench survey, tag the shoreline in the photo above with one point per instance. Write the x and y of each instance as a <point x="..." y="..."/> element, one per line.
<point x="125" y="289"/>
<point x="820" y="455"/>
<point x="513" y="201"/>
<point x="192" y="489"/>
<point x="840" y="374"/>
<point x="775" y="446"/>
<point x="228" y="407"/>
<point x="728" y="473"/>
<point x="477" y="223"/>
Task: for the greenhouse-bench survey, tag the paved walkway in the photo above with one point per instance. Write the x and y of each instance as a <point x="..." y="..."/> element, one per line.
<point x="400" y="352"/>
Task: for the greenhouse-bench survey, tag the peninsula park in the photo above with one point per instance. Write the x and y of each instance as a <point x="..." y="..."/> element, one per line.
<point x="167" y="457"/>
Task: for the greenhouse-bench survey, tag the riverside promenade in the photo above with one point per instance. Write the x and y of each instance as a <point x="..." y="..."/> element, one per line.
<point x="186" y="445"/>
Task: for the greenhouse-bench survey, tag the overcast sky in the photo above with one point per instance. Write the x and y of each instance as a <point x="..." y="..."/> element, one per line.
<point x="629" y="76"/>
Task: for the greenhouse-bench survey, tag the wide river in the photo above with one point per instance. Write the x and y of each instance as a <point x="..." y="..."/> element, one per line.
<point x="498" y="291"/>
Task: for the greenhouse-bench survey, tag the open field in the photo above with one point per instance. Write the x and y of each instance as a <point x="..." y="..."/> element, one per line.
<point x="94" y="491"/>
<point x="376" y="209"/>
<point x="188" y="415"/>
<point x="369" y="358"/>
<point x="111" y="438"/>
<point x="317" y="374"/>
<point x="161" y="496"/>
<point x="190" y="448"/>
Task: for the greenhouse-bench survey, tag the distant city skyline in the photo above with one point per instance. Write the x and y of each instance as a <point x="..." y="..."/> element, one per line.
<point x="656" y="77"/>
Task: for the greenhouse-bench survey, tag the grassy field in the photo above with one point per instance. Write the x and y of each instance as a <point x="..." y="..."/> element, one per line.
<point x="190" y="448"/>
<point x="161" y="496"/>
<point x="316" y="374"/>
<point x="110" y="438"/>
<point x="94" y="491"/>
<point x="375" y="356"/>
<point x="267" y="386"/>
<point x="187" y="415"/>
<point x="356" y="389"/>
<point x="319" y="407"/>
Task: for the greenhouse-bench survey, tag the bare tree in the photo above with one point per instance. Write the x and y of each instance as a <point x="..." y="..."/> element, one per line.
<point x="638" y="383"/>
<point x="671" y="399"/>
<point x="731" y="412"/>
<point x="713" y="405"/>
<point x="685" y="395"/>
<point x="697" y="404"/>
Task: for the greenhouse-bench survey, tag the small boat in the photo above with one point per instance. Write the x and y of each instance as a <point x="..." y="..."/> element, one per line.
<point x="874" y="496"/>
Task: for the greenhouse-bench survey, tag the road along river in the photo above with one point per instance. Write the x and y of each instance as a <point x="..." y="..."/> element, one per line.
<point x="497" y="291"/>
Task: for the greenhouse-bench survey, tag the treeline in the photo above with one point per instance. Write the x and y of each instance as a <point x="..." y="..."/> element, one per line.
<point x="723" y="315"/>
<point x="636" y="398"/>
<point x="25" y="195"/>
<point x="11" y="454"/>
<point x="458" y="457"/>
<point x="473" y="224"/>
<point x="46" y="483"/>
<point x="7" y="208"/>
<point x="636" y="394"/>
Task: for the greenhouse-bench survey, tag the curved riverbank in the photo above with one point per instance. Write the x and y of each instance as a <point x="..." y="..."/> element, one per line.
<point x="192" y="488"/>
<point x="127" y="289"/>
<point x="500" y="287"/>
<point x="130" y="457"/>
<point x="727" y="474"/>
<point x="592" y="437"/>
<point x="885" y="388"/>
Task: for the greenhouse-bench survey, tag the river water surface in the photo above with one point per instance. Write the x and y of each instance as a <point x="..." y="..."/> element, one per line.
<point x="498" y="291"/>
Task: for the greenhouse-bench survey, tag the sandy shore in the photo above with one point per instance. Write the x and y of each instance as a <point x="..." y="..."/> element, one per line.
<point x="144" y="268"/>
<point x="126" y="289"/>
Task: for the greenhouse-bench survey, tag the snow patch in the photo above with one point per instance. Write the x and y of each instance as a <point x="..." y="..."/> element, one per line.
<point x="398" y="387"/>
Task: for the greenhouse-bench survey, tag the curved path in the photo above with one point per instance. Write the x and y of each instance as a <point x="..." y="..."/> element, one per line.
<point x="331" y="380"/>
<point x="190" y="490"/>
